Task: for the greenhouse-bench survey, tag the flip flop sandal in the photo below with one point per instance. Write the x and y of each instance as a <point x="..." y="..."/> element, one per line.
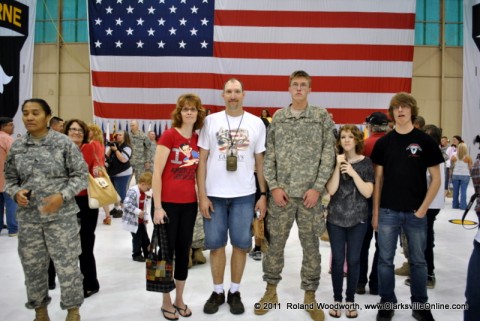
<point x="165" y="312"/>
<point x="183" y="312"/>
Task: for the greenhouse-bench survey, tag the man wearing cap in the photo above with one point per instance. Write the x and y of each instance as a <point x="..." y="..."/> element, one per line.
<point x="6" y="141"/>
<point x="377" y="124"/>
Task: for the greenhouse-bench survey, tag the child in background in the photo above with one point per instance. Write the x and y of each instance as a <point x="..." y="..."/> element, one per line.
<point x="135" y="216"/>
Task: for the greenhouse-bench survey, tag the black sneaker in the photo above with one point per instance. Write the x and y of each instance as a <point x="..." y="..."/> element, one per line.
<point x="235" y="302"/>
<point x="212" y="304"/>
<point x="385" y="315"/>
<point x="138" y="258"/>
<point x="116" y="213"/>
<point x="360" y="289"/>
<point x="52" y="286"/>
<point x="423" y="315"/>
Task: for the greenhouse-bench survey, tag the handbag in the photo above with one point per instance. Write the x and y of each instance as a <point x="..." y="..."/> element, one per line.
<point x="100" y="190"/>
<point x="159" y="263"/>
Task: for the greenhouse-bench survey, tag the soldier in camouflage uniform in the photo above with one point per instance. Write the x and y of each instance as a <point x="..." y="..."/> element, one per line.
<point x="49" y="165"/>
<point x="142" y="156"/>
<point x="196" y="250"/>
<point x="299" y="160"/>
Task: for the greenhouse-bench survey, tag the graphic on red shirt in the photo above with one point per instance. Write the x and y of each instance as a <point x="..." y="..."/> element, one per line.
<point x="191" y="156"/>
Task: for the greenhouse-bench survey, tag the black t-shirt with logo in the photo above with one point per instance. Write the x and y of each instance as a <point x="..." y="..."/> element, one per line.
<point x="405" y="159"/>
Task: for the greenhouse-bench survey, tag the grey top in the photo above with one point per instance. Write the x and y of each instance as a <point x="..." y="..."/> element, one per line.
<point x="348" y="206"/>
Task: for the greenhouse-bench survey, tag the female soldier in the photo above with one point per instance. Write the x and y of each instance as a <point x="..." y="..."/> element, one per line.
<point x="44" y="171"/>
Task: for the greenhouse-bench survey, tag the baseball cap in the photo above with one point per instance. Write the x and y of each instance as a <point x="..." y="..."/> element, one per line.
<point x="377" y="118"/>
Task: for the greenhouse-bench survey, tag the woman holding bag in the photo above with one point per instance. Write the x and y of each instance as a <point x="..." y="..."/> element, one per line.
<point x="175" y="164"/>
<point x="78" y="132"/>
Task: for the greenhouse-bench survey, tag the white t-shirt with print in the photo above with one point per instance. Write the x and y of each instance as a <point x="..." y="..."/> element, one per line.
<point x="249" y="137"/>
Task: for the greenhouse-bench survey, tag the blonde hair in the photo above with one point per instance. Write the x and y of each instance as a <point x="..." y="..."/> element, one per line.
<point x="462" y="151"/>
<point x="145" y="178"/>
<point x="97" y="132"/>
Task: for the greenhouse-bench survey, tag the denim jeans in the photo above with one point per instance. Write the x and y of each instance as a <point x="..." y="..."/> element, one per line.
<point x="472" y="292"/>
<point x="233" y="217"/>
<point x="121" y="185"/>
<point x="460" y="184"/>
<point x="363" y="277"/>
<point x="346" y="241"/>
<point x="390" y="223"/>
<point x="11" y="208"/>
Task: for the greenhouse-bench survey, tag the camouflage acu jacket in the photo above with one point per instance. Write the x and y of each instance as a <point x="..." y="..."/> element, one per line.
<point x="300" y="151"/>
<point x="51" y="165"/>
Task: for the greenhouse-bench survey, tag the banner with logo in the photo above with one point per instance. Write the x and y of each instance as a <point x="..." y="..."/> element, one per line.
<point x="17" y="23"/>
<point x="471" y="74"/>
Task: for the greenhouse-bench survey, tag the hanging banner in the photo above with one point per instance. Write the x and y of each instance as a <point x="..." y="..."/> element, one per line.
<point x="17" y="23"/>
<point x="471" y="74"/>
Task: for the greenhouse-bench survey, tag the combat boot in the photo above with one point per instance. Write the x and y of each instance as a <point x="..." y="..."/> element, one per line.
<point x="73" y="315"/>
<point x="312" y="309"/>
<point x="268" y="301"/>
<point x="41" y="314"/>
<point x="198" y="257"/>
<point x="404" y="270"/>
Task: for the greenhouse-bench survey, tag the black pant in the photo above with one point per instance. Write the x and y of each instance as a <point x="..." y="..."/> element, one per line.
<point x="140" y="241"/>
<point x="180" y="233"/>
<point x="87" y="218"/>
<point x="431" y="217"/>
<point x="363" y="279"/>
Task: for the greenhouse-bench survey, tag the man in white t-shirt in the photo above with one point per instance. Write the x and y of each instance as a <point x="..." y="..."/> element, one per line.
<point x="231" y="145"/>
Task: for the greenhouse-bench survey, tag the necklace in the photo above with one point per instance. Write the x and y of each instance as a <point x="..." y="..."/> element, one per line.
<point x="232" y="142"/>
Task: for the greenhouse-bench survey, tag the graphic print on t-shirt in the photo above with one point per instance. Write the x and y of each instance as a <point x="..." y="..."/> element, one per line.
<point x="240" y="137"/>
<point x="191" y="157"/>
<point x="414" y="148"/>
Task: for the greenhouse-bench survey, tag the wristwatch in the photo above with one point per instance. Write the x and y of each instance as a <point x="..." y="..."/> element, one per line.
<point x="263" y="193"/>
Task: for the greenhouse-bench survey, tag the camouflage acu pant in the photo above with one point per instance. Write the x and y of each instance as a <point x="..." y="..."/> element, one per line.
<point x="138" y="170"/>
<point x="310" y="226"/>
<point x="198" y="233"/>
<point x="60" y="240"/>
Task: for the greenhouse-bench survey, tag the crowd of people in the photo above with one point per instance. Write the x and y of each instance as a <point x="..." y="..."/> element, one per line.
<point x="224" y="170"/>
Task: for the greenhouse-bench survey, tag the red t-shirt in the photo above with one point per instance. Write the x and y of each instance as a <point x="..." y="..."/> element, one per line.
<point x="141" y="205"/>
<point x="178" y="177"/>
<point x="88" y="153"/>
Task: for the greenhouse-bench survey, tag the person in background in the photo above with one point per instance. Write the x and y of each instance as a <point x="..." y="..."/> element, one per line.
<point x="461" y="163"/>
<point x="401" y="201"/>
<point x="231" y="144"/>
<point x="472" y="291"/>
<point x="96" y="139"/>
<point x="78" y="132"/>
<point x="377" y="124"/>
<point x="350" y="186"/>
<point x="299" y="160"/>
<point x="419" y="123"/>
<point x="6" y="202"/>
<point x="119" y="169"/>
<point x="437" y="204"/>
<point x="141" y="157"/>
<point x="44" y="171"/>
<point x="152" y="136"/>
<point x="136" y="217"/>
<point x="445" y="146"/>
<point x="174" y="193"/>
<point x="56" y="123"/>
<point x="266" y="115"/>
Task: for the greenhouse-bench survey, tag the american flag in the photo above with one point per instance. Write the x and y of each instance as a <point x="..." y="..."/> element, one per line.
<point x="145" y="53"/>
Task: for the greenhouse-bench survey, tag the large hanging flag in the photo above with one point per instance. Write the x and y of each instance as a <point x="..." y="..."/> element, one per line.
<point x="144" y="54"/>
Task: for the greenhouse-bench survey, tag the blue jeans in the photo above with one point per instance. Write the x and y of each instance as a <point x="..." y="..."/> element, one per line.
<point x="460" y="184"/>
<point x="121" y="185"/>
<point x="346" y="241"/>
<point x="11" y="208"/>
<point x="390" y="223"/>
<point x="231" y="216"/>
<point x="472" y="292"/>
